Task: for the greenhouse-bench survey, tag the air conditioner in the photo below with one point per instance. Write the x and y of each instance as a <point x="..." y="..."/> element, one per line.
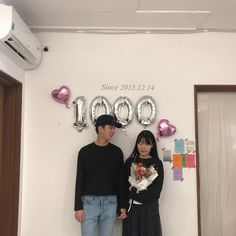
<point x="17" y="41"/>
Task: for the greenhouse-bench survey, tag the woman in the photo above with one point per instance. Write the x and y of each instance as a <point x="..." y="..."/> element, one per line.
<point x="143" y="211"/>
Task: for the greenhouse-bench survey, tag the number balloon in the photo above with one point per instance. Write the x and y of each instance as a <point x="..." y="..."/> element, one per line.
<point x="99" y="103"/>
<point x="80" y="113"/>
<point x="123" y="102"/>
<point x="148" y="102"/>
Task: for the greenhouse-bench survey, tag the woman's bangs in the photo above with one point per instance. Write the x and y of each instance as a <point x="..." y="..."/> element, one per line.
<point x="145" y="139"/>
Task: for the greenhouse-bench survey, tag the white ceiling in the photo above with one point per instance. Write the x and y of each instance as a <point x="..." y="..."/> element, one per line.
<point x="128" y="15"/>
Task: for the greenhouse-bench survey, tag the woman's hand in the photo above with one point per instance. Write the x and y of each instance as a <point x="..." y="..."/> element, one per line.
<point x="123" y="214"/>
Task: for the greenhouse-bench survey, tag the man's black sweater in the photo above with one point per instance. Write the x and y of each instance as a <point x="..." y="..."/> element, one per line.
<point x="100" y="172"/>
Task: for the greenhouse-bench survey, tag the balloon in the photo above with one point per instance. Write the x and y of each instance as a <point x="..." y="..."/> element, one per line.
<point x="147" y="101"/>
<point x="164" y="129"/>
<point x="123" y="102"/>
<point x="80" y="116"/>
<point x="61" y="95"/>
<point x="99" y="103"/>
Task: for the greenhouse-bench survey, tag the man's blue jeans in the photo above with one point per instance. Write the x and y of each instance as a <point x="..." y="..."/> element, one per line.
<point x="100" y="215"/>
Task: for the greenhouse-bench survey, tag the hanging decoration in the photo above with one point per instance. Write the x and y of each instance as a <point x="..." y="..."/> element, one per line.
<point x="146" y="101"/>
<point x="61" y="95"/>
<point x="165" y="129"/>
<point x="99" y="102"/>
<point x="183" y="156"/>
<point x="123" y="102"/>
<point x="80" y="113"/>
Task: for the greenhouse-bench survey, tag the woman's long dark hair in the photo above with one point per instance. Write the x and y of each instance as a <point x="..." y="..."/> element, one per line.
<point x="147" y="137"/>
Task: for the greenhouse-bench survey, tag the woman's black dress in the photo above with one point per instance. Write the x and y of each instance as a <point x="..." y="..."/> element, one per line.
<point x="144" y="219"/>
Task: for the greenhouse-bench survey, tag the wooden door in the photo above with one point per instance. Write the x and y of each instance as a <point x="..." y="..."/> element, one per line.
<point x="10" y="142"/>
<point x="1" y="123"/>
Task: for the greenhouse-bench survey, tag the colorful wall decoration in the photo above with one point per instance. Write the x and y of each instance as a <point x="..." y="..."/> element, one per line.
<point x="183" y="156"/>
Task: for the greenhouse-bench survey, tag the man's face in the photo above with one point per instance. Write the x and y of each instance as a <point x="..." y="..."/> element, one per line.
<point x="107" y="132"/>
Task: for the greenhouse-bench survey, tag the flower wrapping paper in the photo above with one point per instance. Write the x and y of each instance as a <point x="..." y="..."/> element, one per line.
<point x="141" y="177"/>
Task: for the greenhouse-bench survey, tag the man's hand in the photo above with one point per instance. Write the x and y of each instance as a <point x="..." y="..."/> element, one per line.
<point x="123" y="214"/>
<point x="79" y="215"/>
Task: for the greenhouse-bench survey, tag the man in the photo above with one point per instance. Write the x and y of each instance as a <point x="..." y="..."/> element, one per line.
<point x="100" y="182"/>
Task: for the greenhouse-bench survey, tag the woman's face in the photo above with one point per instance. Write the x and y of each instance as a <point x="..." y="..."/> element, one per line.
<point x="144" y="149"/>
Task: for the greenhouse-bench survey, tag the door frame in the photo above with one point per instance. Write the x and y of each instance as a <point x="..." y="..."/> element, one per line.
<point x="197" y="89"/>
<point x="10" y="156"/>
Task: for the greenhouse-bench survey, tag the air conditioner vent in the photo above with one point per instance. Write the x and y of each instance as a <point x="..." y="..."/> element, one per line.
<point x="9" y="45"/>
<point x="17" y="48"/>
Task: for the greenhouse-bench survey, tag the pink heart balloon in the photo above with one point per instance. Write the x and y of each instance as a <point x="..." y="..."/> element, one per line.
<point x="164" y="128"/>
<point x="61" y="95"/>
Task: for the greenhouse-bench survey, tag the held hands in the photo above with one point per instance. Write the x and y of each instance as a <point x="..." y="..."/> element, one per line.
<point x="79" y="215"/>
<point x="123" y="214"/>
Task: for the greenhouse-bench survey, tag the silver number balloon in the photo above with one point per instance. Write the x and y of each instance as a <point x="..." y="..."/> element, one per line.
<point x="118" y="104"/>
<point x="146" y="101"/>
<point x="99" y="102"/>
<point x="80" y="113"/>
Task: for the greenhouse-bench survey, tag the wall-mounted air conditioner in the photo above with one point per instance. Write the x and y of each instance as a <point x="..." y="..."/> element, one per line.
<point x="17" y="41"/>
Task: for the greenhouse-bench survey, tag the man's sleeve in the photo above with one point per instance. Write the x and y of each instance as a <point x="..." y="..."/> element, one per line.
<point x="78" y="186"/>
<point x="122" y="188"/>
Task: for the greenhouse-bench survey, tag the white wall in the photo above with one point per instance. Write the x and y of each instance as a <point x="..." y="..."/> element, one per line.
<point x="173" y="63"/>
<point x="11" y="68"/>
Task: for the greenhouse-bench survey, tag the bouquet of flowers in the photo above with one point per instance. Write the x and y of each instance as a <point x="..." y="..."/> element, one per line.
<point x="141" y="177"/>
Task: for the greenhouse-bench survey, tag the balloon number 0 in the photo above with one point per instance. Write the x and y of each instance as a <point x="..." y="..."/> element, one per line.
<point x="146" y="104"/>
<point x="122" y="109"/>
<point x="99" y="103"/>
<point x="123" y="102"/>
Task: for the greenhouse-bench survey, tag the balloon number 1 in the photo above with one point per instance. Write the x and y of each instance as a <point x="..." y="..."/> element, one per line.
<point x="122" y="110"/>
<point x="80" y="116"/>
